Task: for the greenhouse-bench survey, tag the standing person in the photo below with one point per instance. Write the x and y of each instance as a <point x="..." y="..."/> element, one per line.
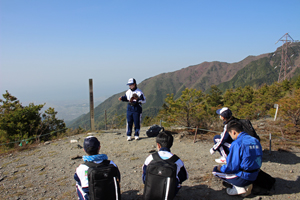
<point x="243" y="161"/>
<point x="223" y="141"/>
<point x="87" y="186"/>
<point x="135" y="99"/>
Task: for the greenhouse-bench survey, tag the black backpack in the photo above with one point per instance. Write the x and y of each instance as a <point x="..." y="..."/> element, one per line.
<point x="263" y="183"/>
<point x="161" y="181"/>
<point x="103" y="181"/>
<point x="248" y="128"/>
<point x="154" y="130"/>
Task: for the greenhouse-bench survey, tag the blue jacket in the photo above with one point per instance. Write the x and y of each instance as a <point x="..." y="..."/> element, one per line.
<point x="244" y="158"/>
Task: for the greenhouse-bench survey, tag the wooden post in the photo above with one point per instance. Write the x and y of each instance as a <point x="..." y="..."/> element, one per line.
<point x="270" y="138"/>
<point x="105" y="120"/>
<point x="91" y="104"/>
<point x="195" y="134"/>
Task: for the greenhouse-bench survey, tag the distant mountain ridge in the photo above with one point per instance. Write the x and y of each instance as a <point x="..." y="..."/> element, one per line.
<point x="253" y="71"/>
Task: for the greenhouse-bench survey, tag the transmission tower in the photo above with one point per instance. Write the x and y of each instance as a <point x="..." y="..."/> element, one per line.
<point x="285" y="60"/>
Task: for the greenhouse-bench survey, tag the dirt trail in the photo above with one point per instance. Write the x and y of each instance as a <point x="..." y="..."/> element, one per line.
<point x="46" y="171"/>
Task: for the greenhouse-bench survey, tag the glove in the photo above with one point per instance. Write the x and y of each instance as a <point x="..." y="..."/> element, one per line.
<point x="133" y="99"/>
<point x="212" y="151"/>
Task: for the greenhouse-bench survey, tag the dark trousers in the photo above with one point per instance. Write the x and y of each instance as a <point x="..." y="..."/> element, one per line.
<point x="231" y="178"/>
<point x="133" y="117"/>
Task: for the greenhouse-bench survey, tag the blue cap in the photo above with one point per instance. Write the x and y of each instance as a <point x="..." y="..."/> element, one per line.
<point x="91" y="145"/>
<point x="131" y="81"/>
<point x="224" y="112"/>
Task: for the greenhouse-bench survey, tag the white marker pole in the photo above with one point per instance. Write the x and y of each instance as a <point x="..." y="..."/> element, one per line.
<point x="276" y="106"/>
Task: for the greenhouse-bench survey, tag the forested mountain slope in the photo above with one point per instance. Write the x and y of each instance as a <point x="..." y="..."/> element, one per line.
<point x="253" y="71"/>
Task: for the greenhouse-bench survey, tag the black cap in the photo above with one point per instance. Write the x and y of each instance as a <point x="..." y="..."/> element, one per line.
<point x="91" y="145"/>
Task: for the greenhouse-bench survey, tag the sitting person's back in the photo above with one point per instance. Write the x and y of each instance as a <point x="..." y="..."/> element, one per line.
<point x="163" y="171"/>
<point x="86" y="175"/>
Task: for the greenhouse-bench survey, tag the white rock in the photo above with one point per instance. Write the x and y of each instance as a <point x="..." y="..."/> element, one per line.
<point x="73" y="141"/>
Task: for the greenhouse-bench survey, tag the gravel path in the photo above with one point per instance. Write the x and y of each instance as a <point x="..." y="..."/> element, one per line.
<point x="46" y="171"/>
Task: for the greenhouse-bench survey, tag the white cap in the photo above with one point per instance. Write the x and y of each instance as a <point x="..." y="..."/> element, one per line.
<point x="131" y="81"/>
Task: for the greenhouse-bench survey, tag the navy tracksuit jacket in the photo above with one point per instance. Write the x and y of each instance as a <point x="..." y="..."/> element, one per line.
<point x="134" y="110"/>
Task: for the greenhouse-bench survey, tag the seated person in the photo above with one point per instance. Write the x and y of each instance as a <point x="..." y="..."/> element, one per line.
<point x="243" y="161"/>
<point x="164" y="142"/>
<point x="223" y="141"/>
<point x="92" y="147"/>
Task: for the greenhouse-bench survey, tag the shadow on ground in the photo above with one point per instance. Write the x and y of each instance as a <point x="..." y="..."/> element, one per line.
<point x="281" y="156"/>
<point x="286" y="187"/>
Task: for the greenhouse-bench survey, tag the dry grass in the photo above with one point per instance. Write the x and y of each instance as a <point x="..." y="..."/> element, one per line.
<point x="12" y="178"/>
<point x="66" y="195"/>
<point x="41" y="157"/>
<point x="134" y="158"/>
<point x="42" y="173"/>
<point x="29" y="185"/>
<point x="23" y="165"/>
<point x="60" y="179"/>
<point x="63" y="183"/>
<point x="34" y="152"/>
<point x="20" y="172"/>
<point x="5" y="164"/>
<point x="39" y="167"/>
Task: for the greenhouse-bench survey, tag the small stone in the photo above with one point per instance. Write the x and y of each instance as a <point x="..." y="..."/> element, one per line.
<point x="73" y="141"/>
<point x="42" y="168"/>
<point x="291" y="171"/>
<point x="46" y="143"/>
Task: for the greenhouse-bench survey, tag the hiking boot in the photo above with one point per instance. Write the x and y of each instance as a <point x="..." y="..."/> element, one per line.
<point x="136" y="138"/>
<point x="221" y="160"/>
<point x="248" y="190"/>
<point x="128" y="138"/>
<point x="235" y="190"/>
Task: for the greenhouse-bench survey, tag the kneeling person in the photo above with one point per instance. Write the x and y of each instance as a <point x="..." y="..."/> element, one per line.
<point x="98" y="177"/>
<point x="163" y="172"/>
<point x="243" y="161"/>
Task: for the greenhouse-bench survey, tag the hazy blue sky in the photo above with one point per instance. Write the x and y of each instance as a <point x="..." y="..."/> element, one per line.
<point x="49" y="49"/>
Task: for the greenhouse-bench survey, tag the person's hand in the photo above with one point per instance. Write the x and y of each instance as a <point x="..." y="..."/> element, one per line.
<point x="212" y="151"/>
<point x="120" y="98"/>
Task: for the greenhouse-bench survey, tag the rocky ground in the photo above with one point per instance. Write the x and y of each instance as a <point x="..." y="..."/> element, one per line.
<point x="46" y="171"/>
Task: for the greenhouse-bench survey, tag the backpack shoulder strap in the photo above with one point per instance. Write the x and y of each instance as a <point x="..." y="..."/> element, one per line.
<point x="173" y="159"/>
<point x="92" y="164"/>
<point x="156" y="157"/>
